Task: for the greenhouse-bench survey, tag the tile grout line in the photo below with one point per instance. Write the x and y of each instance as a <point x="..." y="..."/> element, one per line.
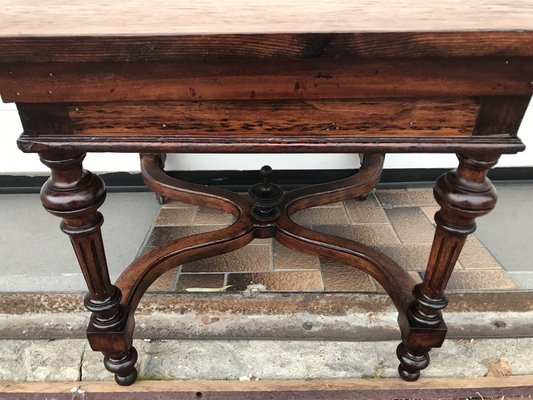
<point x="373" y="283"/>
<point x="394" y="229"/>
<point x="286" y="270"/>
<point x="350" y="222"/>
<point x="208" y="272"/>
<point x="176" y="278"/>
<point x="195" y="215"/>
<point x="320" y="270"/>
<point x="346" y="215"/>
<point x="148" y="234"/>
<point x="324" y="286"/>
<point x="225" y="280"/>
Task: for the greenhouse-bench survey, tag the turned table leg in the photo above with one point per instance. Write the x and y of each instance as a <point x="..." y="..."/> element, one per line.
<point x="463" y="195"/>
<point x="75" y="194"/>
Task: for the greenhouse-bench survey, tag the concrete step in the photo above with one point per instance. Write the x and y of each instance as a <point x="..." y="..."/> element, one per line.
<point x="73" y="360"/>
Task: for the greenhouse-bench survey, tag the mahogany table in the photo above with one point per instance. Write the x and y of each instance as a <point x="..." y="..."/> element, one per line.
<point x="365" y="77"/>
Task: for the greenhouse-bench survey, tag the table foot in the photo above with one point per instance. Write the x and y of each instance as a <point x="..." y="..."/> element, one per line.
<point x="123" y="367"/>
<point x="410" y="364"/>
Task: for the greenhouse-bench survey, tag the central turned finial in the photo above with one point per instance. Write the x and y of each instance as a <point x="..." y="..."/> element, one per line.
<point x="266" y="171"/>
<point x="266" y="197"/>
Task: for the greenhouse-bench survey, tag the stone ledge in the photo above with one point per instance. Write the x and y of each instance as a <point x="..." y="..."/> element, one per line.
<point x="267" y="303"/>
<point x="268" y="316"/>
<point x="255" y="359"/>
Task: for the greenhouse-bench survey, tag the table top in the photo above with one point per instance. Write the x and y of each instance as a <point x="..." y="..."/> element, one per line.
<point x="167" y="17"/>
<point x="173" y="30"/>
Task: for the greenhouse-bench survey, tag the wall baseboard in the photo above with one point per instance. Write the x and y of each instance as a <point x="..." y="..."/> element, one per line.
<point x="242" y="180"/>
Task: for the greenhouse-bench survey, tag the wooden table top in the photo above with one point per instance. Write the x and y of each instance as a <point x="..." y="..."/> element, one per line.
<point x="108" y="30"/>
<point x="166" y="17"/>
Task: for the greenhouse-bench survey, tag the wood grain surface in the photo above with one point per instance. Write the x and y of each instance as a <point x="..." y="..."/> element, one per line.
<point x="390" y="117"/>
<point x="275" y="385"/>
<point x="263" y="46"/>
<point x="137" y="17"/>
<point x="431" y="388"/>
<point x="166" y="30"/>
<point x="268" y="79"/>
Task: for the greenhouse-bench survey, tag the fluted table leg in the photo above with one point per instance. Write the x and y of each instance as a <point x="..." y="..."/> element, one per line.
<point x="463" y="195"/>
<point x="75" y="194"/>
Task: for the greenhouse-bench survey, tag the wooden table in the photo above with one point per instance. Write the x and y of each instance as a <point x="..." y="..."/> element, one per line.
<point x="368" y="77"/>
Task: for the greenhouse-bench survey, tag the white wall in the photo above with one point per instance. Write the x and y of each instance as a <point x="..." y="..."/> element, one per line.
<point x="13" y="161"/>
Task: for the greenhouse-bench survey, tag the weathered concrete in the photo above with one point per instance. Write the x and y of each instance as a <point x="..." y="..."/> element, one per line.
<point x="248" y="303"/>
<point x="358" y="326"/>
<point x="56" y="360"/>
<point x="12" y="360"/>
<point x="254" y="359"/>
<point x="41" y="360"/>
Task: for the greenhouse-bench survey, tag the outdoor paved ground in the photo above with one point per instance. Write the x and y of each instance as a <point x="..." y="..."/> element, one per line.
<point x="36" y="256"/>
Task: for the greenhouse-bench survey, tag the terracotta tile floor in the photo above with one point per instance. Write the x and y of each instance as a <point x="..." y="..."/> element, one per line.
<point x="398" y="222"/>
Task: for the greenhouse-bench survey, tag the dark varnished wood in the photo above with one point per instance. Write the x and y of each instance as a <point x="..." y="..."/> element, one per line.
<point x="138" y="276"/>
<point x="45" y="119"/>
<point x="389" y="274"/>
<point x="285" y="144"/>
<point x="463" y="195"/>
<point x="276" y="126"/>
<point x="371" y="77"/>
<point x="75" y="194"/>
<point x="366" y="117"/>
<point x="96" y="48"/>
<point x="232" y="79"/>
<point x="501" y="115"/>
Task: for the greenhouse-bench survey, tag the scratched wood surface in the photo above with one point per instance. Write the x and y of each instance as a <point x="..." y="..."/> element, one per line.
<point x="108" y="17"/>
<point x="390" y="117"/>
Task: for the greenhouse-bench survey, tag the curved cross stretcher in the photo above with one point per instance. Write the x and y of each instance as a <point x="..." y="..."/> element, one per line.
<point x="146" y="269"/>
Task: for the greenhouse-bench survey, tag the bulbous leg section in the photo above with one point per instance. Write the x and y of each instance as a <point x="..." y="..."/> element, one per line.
<point x="410" y="364"/>
<point x="123" y="367"/>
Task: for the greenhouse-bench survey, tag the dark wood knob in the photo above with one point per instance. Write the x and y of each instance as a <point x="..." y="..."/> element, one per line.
<point x="266" y="172"/>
